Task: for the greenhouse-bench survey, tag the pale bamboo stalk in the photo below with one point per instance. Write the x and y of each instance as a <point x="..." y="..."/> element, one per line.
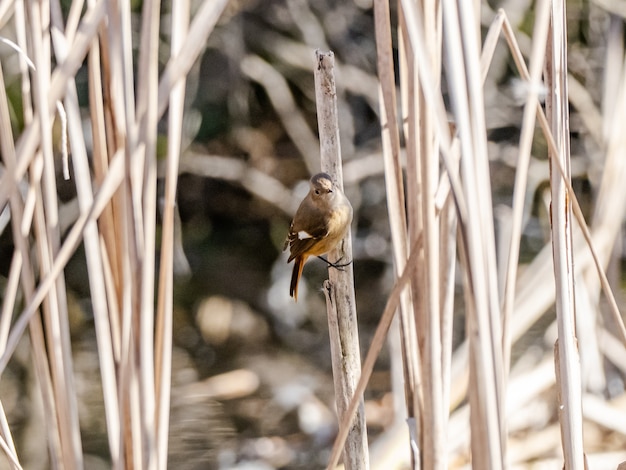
<point x="397" y="216"/>
<point x="96" y="282"/>
<point x="135" y="428"/>
<point x="469" y="18"/>
<point x="10" y="295"/>
<point x="58" y="356"/>
<point x="110" y="254"/>
<point x="435" y="410"/>
<point x="29" y="139"/>
<point x="528" y="317"/>
<point x="20" y="235"/>
<point x="72" y="240"/>
<point x="147" y="94"/>
<point x="533" y="283"/>
<point x="481" y="289"/>
<point x="449" y="151"/>
<point x="378" y="341"/>
<point x="600" y="237"/>
<point x="433" y="99"/>
<point x="163" y="340"/>
<point x="540" y="35"/>
<point x="567" y="359"/>
<point x="418" y="137"/>
<point x="94" y="260"/>
<point x="135" y="458"/>
<point x="339" y="289"/>
<point x="410" y="394"/>
<point x="90" y="237"/>
<point x="73" y="18"/>
<point x="8" y="157"/>
<point x="48" y="241"/>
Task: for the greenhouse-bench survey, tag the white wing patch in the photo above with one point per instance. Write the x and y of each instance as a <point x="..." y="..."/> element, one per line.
<point x="303" y="235"/>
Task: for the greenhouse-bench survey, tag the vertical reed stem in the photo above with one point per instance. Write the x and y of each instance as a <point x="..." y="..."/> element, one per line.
<point x="339" y="289"/>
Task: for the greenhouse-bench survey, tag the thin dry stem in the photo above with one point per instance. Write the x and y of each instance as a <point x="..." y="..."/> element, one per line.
<point x="566" y="350"/>
<point x="163" y="340"/>
<point x="378" y="341"/>
<point x="339" y="289"/>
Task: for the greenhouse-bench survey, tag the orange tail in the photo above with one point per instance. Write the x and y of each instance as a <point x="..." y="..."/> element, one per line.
<point x="295" y="276"/>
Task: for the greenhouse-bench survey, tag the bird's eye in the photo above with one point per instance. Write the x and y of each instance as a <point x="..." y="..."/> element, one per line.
<point x="317" y="191"/>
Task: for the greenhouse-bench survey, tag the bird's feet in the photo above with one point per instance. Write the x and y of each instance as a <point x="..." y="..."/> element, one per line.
<point x="337" y="265"/>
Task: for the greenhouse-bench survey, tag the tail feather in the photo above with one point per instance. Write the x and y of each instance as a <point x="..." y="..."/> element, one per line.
<point x="295" y="276"/>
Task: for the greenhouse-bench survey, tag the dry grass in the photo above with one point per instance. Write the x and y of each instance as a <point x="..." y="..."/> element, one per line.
<point x="118" y="206"/>
<point x="447" y="186"/>
<point x="470" y="404"/>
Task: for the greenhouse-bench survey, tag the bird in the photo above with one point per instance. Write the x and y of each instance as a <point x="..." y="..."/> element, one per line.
<point x="320" y="223"/>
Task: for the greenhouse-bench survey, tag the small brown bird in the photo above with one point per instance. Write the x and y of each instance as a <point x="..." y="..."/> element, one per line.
<point x="320" y="223"/>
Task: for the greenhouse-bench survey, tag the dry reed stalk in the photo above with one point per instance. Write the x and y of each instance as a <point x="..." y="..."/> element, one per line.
<point x="100" y="250"/>
<point x="427" y="87"/>
<point x="540" y="35"/>
<point x="116" y="222"/>
<point x="47" y="237"/>
<point x="339" y="289"/>
<point x="427" y="414"/>
<point x="599" y="241"/>
<point x="517" y="235"/>
<point x="531" y="293"/>
<point x="540" y="269"/>
<point x="411" y="395"/>
<point x="8" y="156"/>
<point x="378" y="341"/>
<point x="576" y="207"/>
<point x="526" y="295"/>
<point x="424" y="218"/>
<point x="566" y="352"/>
<point x="28" y="140"/>
<point x="117" y="226"/>
<point x="122" y="131"/>
<point x="147" y="117"/>
<point x="164" y="323"/>
<point x="72" y="240"/>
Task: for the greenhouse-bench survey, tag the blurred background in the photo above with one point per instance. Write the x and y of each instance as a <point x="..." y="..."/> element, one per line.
<point x="252" y="381"/>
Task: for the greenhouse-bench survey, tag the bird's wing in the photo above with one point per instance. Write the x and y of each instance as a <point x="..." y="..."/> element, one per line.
<point x="302" y="241"/>
<point x="305" y="233"/>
